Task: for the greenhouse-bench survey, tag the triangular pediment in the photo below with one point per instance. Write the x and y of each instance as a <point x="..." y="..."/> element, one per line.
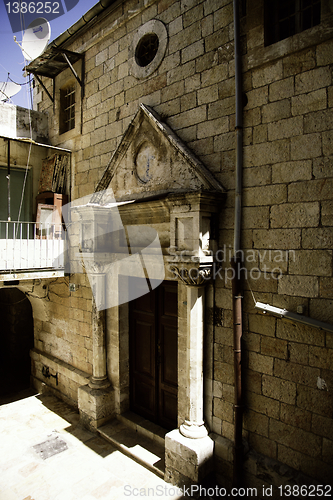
<point x="151" y="160"/>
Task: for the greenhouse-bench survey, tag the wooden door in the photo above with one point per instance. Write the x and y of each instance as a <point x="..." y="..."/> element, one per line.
<point x="153" y="355"/>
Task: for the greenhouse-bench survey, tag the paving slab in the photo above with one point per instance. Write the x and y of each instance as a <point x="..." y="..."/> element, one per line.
<point x="141" y="448"/>
<point x="85" y="466"/>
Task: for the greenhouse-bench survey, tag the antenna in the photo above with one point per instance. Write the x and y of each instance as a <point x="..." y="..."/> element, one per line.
<point x="8" y="89"/>
<point x="35" y="38"/>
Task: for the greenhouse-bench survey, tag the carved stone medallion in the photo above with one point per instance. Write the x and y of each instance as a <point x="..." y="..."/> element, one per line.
<point x="146" y="162"/>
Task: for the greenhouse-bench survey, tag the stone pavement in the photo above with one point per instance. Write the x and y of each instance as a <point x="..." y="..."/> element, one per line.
<point x="47" y="455"/>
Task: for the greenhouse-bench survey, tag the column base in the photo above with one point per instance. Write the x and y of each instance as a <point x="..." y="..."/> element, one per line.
<point x="99" y="383"/>
<point x="193" y="430"/>
<point x="96" y="406"/>
<point x="187" y="461"/>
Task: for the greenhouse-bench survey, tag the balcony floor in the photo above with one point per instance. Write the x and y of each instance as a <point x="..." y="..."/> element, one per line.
<point x="31" y="274"/>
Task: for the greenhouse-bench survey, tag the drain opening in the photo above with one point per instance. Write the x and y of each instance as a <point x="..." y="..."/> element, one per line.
<point x="50" y="447"/>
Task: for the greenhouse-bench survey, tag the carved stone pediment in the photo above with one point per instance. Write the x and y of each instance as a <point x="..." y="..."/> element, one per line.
<point x="152" y="161"/>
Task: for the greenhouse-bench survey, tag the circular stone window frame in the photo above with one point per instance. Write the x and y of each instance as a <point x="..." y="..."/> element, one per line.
<point x="158" y="28"/>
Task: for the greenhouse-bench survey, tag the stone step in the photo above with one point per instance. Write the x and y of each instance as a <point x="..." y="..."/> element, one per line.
<point x="143" y="426"/>
<point x="145" y="450"/>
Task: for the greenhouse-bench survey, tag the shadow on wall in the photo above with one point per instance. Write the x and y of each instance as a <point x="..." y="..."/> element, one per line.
<point x="17" y="338"/>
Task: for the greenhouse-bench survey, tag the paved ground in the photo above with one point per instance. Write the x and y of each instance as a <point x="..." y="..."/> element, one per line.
<point x="46" y="455"/>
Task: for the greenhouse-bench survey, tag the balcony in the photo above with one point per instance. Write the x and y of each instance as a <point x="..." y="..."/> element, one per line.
<point x="31" y="250"/>
<point x="35" y="180"/>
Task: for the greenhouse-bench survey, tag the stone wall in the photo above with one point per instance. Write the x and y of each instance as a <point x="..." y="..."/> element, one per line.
<point x="17" y="122"/>
<point x="63" y="343"/>
<point x="287" y="242"/>
<point x="286" y="217"/>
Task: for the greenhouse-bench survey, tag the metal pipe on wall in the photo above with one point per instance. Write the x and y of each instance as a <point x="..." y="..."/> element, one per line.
<point x="238" y="130"/>
<point x="237" y="345"/>
<point x="8" y="180"/>
<point x="236" y="261"/>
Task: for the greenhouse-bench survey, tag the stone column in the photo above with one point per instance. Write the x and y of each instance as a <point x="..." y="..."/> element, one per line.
<point x="194" y="426"/>
<point x="99" y="379"/>
<point x="189" y="449"/>
<point x="96" y="400"/>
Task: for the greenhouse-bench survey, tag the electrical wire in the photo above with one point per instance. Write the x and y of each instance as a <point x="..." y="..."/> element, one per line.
<point x="21" y="84"/>
<point x="30" y="130"/>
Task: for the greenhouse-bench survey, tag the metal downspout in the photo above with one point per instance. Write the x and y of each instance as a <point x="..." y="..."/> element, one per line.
<point x="8" y="182"/>
<point x="237" y="260"/>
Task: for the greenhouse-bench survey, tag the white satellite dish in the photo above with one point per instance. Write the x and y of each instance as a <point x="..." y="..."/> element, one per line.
<point x="8" y="89"/>
<point x="35" y="38"/>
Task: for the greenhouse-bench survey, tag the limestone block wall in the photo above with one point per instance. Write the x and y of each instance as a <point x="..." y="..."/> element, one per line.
<point x="287" y="252"/>
<point x="62" y="340"/>
<point x="286" y="216"/>
<point x="184" y="89"/>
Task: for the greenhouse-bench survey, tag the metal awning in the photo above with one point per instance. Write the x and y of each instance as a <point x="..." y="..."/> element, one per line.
<point x="28" y="141"/>
<point x="52" y="62"/>
<point x="55" y="59"/>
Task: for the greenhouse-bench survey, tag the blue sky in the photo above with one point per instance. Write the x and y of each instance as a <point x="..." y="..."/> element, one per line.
<point x="11" y="58"/>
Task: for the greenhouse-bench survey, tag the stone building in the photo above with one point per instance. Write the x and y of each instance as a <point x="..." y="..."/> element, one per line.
<point x="148" y="99"/>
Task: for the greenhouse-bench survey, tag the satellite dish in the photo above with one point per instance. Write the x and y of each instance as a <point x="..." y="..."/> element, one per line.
<point x="8" y="89"/>
<point x="35" y="38"/>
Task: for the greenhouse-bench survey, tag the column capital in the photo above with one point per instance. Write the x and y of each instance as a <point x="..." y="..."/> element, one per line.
<point x="195" y="277"/>
<point x="94" y="264"/>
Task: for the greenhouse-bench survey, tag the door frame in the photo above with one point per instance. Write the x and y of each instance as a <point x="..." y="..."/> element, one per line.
<point x="118" y="353"/>
<point x="185" y="224"/>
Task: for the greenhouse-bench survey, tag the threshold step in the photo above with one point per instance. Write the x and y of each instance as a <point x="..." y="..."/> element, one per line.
<point x="143" y="426"/>
<point x="142" y="449"/>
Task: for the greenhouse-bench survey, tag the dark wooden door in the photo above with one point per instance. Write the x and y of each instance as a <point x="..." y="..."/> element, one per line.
<point x="153" y="355"/>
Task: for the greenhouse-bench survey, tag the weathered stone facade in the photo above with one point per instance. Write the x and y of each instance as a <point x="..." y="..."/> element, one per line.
<point x="286" y="223"/>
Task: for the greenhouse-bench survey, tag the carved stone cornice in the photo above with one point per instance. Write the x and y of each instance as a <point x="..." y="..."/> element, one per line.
<point x="194" y="276"/>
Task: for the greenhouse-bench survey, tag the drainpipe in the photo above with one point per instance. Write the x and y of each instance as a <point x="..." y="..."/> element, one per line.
<point x="8" y="181"/>
<point x="237" y="260"/>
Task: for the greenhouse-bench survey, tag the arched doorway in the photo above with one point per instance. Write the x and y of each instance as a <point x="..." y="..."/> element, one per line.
<point x="17" y="338"/>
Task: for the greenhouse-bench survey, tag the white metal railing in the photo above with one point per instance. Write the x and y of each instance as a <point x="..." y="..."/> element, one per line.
<point x="31" y="245"/>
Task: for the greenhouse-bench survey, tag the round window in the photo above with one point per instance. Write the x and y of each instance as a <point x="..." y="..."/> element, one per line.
<point x="146" y="49"/>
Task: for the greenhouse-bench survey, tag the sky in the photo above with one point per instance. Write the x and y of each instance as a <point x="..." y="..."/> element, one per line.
<point x="11" y="57"/>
